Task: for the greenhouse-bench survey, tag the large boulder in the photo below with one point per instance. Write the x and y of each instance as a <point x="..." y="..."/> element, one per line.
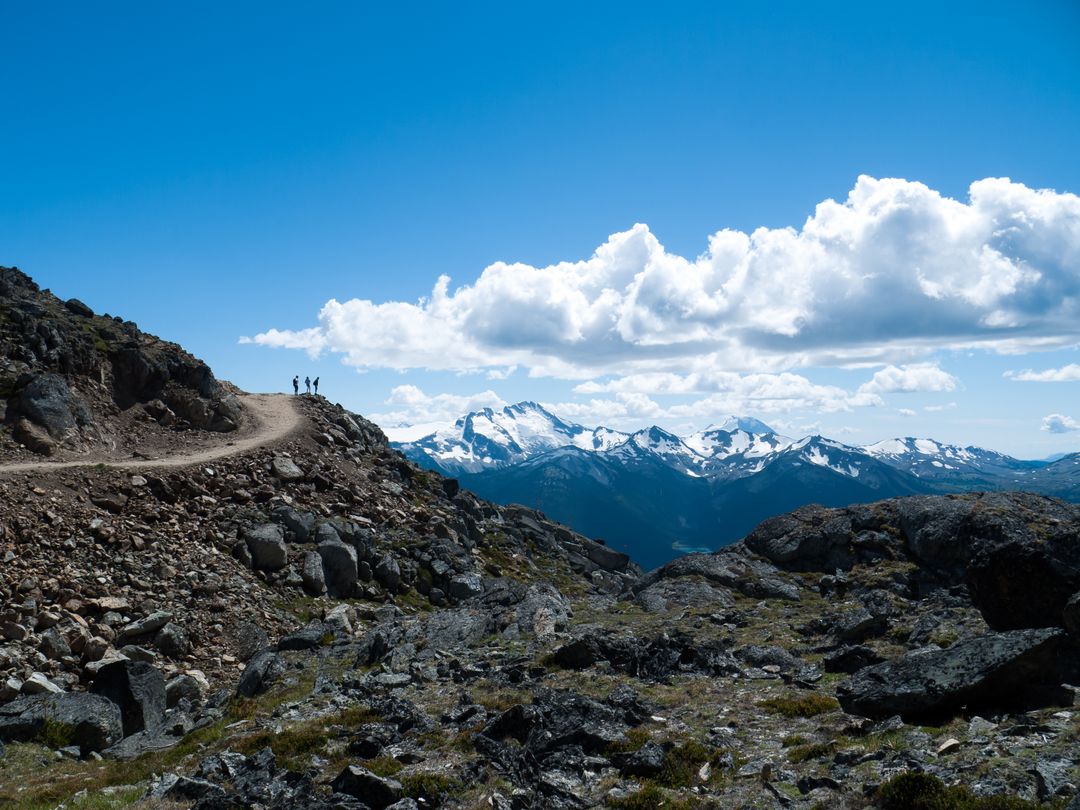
<point x="266" y="543"/>
<point x="995" y="672"/>
<point x="91" y="722"/>
<point x="138" y="688"/>
<point x="375" y="791"/>
<point x="47" y="400"/>
<point x="732" y="567"/>
<point x="1025" y="559"/>
<point x="339" y="566"/>
<point x="261" y="671"/>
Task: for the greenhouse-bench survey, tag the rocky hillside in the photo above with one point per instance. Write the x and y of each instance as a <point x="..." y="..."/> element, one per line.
<point x="319" y="623"/>
<point x="74" y="382"/>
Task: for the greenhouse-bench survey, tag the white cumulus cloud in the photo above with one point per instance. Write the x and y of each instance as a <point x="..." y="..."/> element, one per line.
<point x="1059" y="423"/>
<point x="909" y="379"/>
<point x="1069" y="373"/>
<point x="889" y="274"/>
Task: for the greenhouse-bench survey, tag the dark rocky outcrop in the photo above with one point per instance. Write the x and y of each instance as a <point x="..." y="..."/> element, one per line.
<point x="66" y="373"/>
<point x="138" y="689"/>
<point x="998" y="671"/>
<point x="91" y="722"/>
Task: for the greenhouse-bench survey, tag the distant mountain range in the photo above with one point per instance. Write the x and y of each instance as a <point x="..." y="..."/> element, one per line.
<point x="654" y="494"/>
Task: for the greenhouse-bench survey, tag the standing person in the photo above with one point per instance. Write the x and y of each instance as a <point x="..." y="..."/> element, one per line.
<point x="307" y="382"/>
<point x="316" y="384"/>
<point x="296" y="385"/>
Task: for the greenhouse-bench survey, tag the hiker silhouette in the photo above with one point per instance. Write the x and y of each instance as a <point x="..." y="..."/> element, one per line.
<point x="307" y="382"/>
<point x="316" y="384"/>
<point x="296" y="384"/>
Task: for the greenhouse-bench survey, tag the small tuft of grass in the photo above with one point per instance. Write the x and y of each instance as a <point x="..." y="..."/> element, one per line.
<point x="55" y="734"/>
<point x="682" y="763"/>
<point x="383" y="766"/>
<point x="635" y="739"/>
<point x="810" y="705"/>
<point x="427" y="786"/>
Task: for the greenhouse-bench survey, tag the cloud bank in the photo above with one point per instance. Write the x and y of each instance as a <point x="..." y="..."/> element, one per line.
<point x="1069" y="373"/>
<point x="1059" y="423"/>
<point x="892" y="273"/>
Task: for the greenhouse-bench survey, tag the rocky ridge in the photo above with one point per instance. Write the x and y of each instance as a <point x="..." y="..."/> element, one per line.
<point x="73" y="382"/>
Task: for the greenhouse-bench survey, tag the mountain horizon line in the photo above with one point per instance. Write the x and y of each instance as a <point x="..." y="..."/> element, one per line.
<point x="408" y="434"/>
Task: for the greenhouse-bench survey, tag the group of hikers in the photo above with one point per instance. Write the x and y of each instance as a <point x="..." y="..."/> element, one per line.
<point x="307" y="382"/>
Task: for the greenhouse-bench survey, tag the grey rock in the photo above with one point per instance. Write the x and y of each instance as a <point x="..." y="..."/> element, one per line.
<point x="607" y="558"/>
<point x="647" y="761"/>
<point x="172" y="640"/>
<point x="376" y="791"/>
<point x="285" y="469"/>
<point x="262" y="670"/>
<point x="300" y="524"/>
<point x="145" y="626"/>
<point x="53" y="645"/>
<point x="39" y="684"/>
<point x="388" y="573"/>
<point x="306" y="638"/>
<point x="92" y="721"/>
<point x="267" y="546"/>
<point x="464" y="586"/>
<point x="10" y="688"/>
<point x="190" y="789"/>
<point x="339" y="567"/>
<point x="312" y="574"/>
<point x="183" y="687"/>
<point x="138" y="689"/>
<point x="47" y="400"/>
<point x="994" y="671"/>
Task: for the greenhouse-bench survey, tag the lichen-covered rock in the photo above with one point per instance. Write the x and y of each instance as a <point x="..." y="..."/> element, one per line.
<point x="996" y="671"/>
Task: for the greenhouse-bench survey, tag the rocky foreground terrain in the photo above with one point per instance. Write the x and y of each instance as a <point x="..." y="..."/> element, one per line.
<point x="317" y="622"/>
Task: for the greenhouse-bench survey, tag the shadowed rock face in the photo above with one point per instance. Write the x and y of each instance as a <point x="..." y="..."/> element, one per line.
<point x="89" y="721"/>
<point x="62" y="368"/>
<point x="996" y="671"/>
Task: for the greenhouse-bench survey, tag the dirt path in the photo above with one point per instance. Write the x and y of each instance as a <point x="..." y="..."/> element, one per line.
<point x="275" y="416"/>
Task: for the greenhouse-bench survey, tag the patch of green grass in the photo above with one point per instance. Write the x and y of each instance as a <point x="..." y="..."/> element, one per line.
<point x="944" y="636"/>
<point x="793" y="740"/>
<point x="501" y="701"/>
<point x="383" y="766"/>
<point x="922" y="791"/>
<point x="55" y="734"/>
<point x="635" y="738"/>
<point x="109" y="799"/>
<point x="291" y="747"/>
<point x="809" y="705"/>
<point x="682" y="763"/>
<point x="428" y="786"/>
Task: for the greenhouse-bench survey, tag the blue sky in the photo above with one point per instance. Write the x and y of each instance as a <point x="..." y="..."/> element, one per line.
<point x="214" y="173"/>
